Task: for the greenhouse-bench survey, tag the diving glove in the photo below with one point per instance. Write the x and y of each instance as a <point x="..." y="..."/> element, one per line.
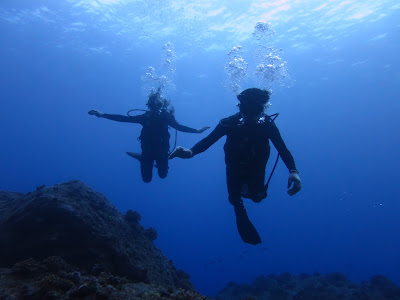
<point x="294" y="179"/>
<point x="202" y="129"/>
<point x="96" y="113"/>
<point x="181" y="153"/>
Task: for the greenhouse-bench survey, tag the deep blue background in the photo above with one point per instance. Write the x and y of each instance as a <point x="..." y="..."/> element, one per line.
<point x="340" y="120"/>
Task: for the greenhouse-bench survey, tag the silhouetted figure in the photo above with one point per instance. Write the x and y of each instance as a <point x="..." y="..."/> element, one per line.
<point x="154" y="137"/>
<point x="247" y="151"/>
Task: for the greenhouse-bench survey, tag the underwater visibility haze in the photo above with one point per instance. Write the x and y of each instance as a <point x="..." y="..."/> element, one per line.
<point x="334" y="71"/>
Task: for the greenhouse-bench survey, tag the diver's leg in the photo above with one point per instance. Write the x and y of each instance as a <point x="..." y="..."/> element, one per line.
<point x="162" y="166"/>
<point x="257" y="191"/>
<point x="234" y="185"/>
<point x="246" y="229"/>
<point x="146" y="168"/>
<point x="255" y="183"/>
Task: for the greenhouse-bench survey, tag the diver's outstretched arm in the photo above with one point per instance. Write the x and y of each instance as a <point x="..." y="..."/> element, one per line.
<point x="119" y="118"/>
<point x="174" y="124"/>
<point x="201" y="146"/>
<point x="184" y="128"/>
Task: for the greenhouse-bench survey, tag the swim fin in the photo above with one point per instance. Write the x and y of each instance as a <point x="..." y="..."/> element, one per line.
<point x="135" y="155"/>
<point x="246" y="229"/>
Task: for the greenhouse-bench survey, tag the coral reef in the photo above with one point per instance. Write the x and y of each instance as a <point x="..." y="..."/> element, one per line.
<point x="151" y="233"/>
<point x="69" y="242"/>
<point x="53" y="278"/>
<point x="85" y="232"/>
<point x="334" y="286"/>
<point x="132" y="217"/>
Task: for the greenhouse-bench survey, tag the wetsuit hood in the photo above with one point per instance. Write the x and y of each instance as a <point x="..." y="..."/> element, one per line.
<point x="253" y="101"/>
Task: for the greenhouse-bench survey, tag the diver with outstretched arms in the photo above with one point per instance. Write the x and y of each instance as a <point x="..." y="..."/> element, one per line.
<point x="154" y="137"/>
<point x="247" y="151"/>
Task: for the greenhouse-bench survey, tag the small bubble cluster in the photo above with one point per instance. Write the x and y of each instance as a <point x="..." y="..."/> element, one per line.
<point x="153" y="81"/>
<point x="236" y="69"/>
<point x="168" y="59"/>
<point x="263" y="31"/>
<point x="269" y="70"/>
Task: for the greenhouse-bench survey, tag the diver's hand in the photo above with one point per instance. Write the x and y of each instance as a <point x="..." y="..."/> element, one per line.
<point x="96" y="113"/>
<point x="202" y="129"/>
<point x="181" y="153"/>
<point x="294" y="179"/>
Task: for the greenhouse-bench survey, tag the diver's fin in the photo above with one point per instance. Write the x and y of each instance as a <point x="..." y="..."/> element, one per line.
<point x="138" y="156"/>
<point x="246" y="229"/>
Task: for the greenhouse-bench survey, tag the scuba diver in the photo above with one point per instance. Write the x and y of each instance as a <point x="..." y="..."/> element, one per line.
<point x="247" y="151"/>
<point x="154" y="137"/>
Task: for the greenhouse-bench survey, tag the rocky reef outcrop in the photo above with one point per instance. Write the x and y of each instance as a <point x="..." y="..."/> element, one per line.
<point x="334" y="286"/>
<point x="54" y="279"/>
<point x="68" y="241"/>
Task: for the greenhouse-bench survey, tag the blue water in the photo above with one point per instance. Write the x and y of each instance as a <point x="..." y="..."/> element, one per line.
<point x="339" y="116"/>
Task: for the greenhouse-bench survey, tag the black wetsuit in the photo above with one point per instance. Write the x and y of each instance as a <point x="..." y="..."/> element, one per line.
<point x="247" y="151"/>
<point x="154" y="139"/>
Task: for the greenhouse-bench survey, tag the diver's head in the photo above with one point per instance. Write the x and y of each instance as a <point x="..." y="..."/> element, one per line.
<point x="155" y="102"/>
<point x="252" y="102"/>
<point x="158" y="104"/>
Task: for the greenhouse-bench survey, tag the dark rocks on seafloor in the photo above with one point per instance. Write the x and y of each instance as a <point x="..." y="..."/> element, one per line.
<point x="132" y="217"/>
<point x="69" y="242"/>
<point x="53" y="278"/>
<point x="66" y="230"/>
<point x="333" y="286"/>
<point x="151" y="233"/>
